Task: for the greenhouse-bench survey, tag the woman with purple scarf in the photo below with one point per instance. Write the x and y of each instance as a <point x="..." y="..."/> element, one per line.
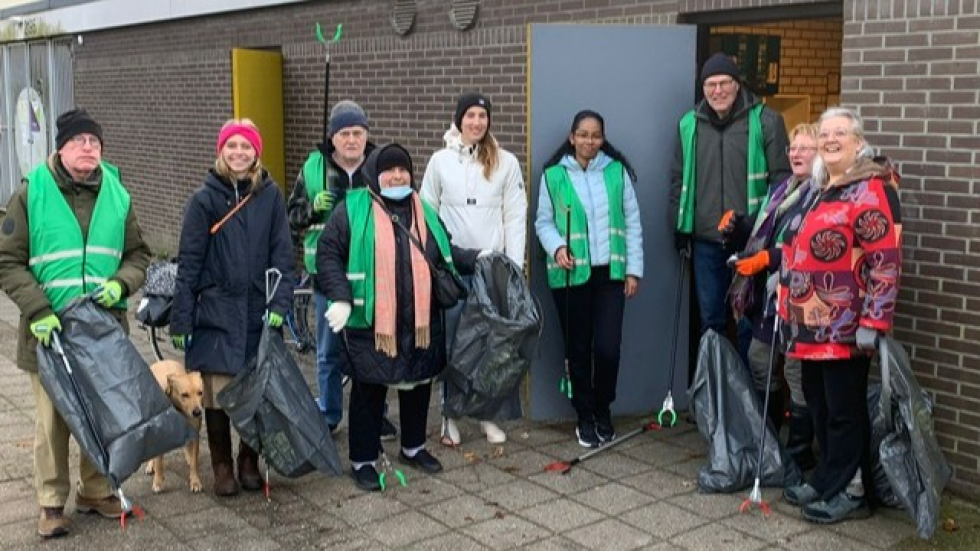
<point x="752" y="292"/>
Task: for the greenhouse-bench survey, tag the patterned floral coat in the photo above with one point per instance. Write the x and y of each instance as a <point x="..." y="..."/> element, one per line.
<point x="842" y="259"/>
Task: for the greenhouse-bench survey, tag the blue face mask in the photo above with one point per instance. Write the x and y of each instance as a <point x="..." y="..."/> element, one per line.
<point x="398" y="192"/>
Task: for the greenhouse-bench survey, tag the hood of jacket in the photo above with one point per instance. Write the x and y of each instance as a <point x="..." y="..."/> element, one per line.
<point x="597" y="164"/>
<point x="237" y="190"/>
<point x="864" y="169"/>
<point x="453" y="140"/>
<point x="370" y="167"/>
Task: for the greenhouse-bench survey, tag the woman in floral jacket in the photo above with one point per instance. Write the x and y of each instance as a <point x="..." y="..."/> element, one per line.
<point x="838" y="286"/>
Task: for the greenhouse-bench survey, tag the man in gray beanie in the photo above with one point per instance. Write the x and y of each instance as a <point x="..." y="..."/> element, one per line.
<point x="730" y="149"/>
<point x="72" y="202"/>
<point x="317" y="191"/>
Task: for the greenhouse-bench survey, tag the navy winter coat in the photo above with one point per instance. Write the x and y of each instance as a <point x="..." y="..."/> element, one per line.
<point x="219" y="297"/>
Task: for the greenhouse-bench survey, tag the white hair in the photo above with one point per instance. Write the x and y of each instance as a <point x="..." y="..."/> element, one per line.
<point x="820" y="175"/>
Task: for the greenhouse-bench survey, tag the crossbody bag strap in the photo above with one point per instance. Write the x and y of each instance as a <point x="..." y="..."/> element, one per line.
<point x="411" y="236"/>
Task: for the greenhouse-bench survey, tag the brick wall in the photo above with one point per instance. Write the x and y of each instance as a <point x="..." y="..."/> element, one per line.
<point x="911" y="69"/>
<point x="801" y="70"/>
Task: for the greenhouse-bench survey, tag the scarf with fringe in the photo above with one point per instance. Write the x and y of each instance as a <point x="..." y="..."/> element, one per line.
<point x="385" y="284"/>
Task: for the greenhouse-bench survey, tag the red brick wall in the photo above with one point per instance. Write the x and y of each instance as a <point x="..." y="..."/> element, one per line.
<point x="911" y="69"/>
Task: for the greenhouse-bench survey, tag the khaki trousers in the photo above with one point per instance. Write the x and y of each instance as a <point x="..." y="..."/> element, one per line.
<point x="51" y="480"/>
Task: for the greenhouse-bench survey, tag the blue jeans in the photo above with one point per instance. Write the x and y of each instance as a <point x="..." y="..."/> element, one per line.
<point x="328" y="380"/>
<point x="712" y="278"/>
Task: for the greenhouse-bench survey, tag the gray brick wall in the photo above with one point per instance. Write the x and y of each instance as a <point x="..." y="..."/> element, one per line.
<point x="909" y="67"/>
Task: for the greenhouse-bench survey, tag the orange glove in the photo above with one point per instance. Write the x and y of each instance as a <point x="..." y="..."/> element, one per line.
<point x="726" y="219"/>
<point x="751" y="265"/>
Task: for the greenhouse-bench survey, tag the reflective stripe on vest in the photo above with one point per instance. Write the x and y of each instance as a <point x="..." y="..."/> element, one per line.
<point x="360" y="257"/>
<point x="563" y="198"/>
<point x="64" y="264"/>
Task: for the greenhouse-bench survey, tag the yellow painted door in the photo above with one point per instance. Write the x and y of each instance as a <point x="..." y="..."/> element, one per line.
<point x="256" y="81"/>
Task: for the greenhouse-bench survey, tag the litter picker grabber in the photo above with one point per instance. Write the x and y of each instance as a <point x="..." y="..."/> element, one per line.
<point x="755" y="496"/>
<point x="668" y="407"/>
<point x="564" y="467"/>
<point x="326" y="90"/>
<point x="387" y="467"/>
<point x="127" y="506"/>
<point x="565" y="383"/>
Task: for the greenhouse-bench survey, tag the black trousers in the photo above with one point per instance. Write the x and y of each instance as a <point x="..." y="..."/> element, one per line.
<point x="367" y="409"/>
<point x="836" y="394"/>
<point x="591" y="317"/>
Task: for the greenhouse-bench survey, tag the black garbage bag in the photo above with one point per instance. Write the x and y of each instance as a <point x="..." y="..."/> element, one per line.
<point x="495" y="340"/>
<point x="883" y="488"/>
<point x="118" y="415"/>
<point x="911" y="458"/>
<point x="272" y="408"/>
<point x="728" y="413"/>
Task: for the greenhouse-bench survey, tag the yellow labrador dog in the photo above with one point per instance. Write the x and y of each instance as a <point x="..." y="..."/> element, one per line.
<point x="185" y="389"/>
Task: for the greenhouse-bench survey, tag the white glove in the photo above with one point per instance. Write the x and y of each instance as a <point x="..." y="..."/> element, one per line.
<point x="484" y="253"/>
<point x="337" y="315"/>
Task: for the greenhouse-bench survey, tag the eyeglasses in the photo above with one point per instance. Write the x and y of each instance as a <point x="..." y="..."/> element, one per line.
<point x="81" y="139"/>
<point x="585" y="136"/>
<point x="799" y="149"/>
<point x="724" y="85"/>
<point x="838" y="133"/>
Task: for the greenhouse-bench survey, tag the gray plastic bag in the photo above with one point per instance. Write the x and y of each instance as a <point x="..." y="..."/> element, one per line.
<point x="273" y="411"/>
<point x="910" y="456"/>
<point x="119" y="415"/>
<point x="495" y="339"/>
<point x="728" y="414"/>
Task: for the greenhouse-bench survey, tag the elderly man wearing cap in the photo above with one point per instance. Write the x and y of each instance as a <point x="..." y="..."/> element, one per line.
<point x="730" y="149"/>
<point x="317" y="190"/>
<point x="72" y="202"/>
<point x="380" y="288"/>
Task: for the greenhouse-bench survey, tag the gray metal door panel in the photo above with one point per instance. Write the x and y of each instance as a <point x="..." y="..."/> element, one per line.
<point x="641" y="79"/>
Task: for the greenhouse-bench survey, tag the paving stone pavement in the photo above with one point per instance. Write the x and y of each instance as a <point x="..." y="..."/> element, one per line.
<point x="640" y="495"/>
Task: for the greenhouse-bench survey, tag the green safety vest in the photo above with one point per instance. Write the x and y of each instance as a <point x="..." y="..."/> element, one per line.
<point x="65" y="264"/>
<point x="565" y="200"/>
<point x="313" y="178"/>
<point x="360" y="260"/>
<point x="757" y="181"/>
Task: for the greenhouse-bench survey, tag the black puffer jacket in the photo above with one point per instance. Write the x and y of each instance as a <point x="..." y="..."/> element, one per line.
<point x="219" y="296"/>
<point x="360" y="359"/>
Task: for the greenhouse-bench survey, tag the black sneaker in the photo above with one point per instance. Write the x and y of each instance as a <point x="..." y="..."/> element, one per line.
<point x="366" y="478"/>
<point x="422" y="460"/>
<point x="388" y="430"/>
<point x="585" y="431"/>
<point x="604" y="427"/>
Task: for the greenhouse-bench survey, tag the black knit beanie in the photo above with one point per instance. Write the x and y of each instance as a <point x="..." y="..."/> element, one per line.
<point x="469" y="100"/>
<point x="393" y="156"/>
<point x="719" y="64"/>
<point x="75" y="122"/>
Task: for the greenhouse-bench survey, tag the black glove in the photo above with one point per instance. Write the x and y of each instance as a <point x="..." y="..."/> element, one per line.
<point x="682" y="243"/>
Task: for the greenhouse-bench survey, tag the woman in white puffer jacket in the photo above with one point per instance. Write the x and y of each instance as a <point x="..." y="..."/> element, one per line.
<point x="478" y="190"/>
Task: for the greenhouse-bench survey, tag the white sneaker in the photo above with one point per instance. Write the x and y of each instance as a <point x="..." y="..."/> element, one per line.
<point x="494" y="434"/>
<point x="450" y="433"/>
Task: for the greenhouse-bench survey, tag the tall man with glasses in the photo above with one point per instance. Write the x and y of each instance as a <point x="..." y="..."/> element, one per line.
<point x="730" y="149"/>
<point x="70" y="231"/>
<point x="310" y="204"/>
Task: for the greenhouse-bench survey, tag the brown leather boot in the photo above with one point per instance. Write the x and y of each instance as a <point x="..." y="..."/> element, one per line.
<point x="248" y="468"/>
<point x="53" y="523"/>
<point x="219" y="442"/>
